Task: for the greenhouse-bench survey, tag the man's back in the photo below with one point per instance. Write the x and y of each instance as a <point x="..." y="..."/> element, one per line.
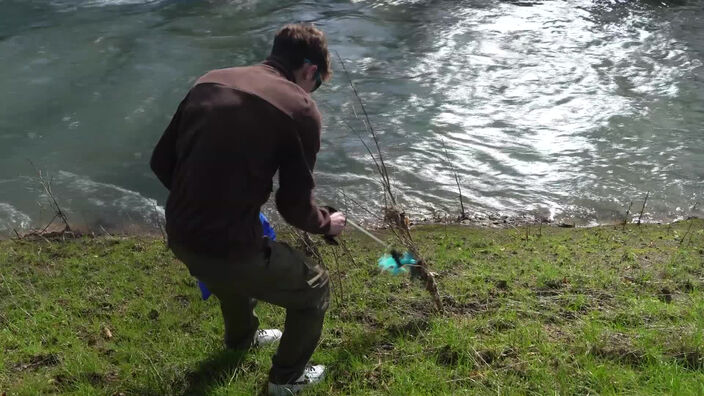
<point x="230" y="135"/>
<point x="232" y="132"/>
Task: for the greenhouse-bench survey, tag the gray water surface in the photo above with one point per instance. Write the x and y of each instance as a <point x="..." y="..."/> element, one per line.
<point x="562" y="109"/>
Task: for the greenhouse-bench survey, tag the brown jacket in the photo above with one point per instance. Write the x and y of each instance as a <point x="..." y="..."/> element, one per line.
<point x="235" y="128"/>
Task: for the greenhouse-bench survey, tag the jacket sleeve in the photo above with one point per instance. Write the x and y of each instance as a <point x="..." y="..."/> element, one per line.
<point x="294" y="198"/>
<point x="164" y="156"/>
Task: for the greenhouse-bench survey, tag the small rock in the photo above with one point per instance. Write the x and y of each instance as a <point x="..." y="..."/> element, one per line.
<point x="107" y="333"/>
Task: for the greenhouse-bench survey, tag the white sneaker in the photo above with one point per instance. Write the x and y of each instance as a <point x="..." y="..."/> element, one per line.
<point x="266" y="337"/>
<point x="311" y="376"/>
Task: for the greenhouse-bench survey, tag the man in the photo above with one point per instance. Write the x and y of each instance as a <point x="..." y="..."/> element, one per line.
<point x="234" y="130"/>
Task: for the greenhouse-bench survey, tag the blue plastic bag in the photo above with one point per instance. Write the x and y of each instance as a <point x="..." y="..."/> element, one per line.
<point x="267" y="231"/>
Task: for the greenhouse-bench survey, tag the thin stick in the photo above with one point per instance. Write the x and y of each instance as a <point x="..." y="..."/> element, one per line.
<point x="643" y="208"/>
<point x="359" y="136"/>
<point x="628" y="212"/>
<point x="685" y="234"/>
<point x="354" y="201"/>
<point x="348" y="252"/>
<point x="689" y="228"/>
<point x="48" y="224"/>
<point x="370" y="128"/>
<point x="367" y="233"/>
<point x="395" y="218"/>
<point x="341" y="297"/>
<point x="105" y="231"/>
<point x="457" y="179"/>
<point x="308" y="244"/>
<point x="58" y="212"/>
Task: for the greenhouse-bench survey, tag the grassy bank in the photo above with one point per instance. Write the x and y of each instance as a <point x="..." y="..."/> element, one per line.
<point x="529" y="311"/>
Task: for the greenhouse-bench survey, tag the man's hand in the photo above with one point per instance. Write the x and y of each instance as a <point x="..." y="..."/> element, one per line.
<point x="338" y="221"/>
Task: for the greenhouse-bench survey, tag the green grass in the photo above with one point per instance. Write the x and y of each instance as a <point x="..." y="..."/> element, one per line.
<point x="552" y="311"/>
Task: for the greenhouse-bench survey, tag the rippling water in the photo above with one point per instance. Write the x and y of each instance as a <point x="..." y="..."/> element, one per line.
<point x="563" y="109"/>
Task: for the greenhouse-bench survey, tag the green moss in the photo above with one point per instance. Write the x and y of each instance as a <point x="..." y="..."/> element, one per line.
<point x="533" y="310"/>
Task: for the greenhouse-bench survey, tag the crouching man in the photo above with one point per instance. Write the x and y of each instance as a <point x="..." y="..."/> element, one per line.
<point x="232" y="132"/>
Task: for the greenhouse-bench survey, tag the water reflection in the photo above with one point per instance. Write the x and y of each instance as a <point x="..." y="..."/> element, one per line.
<point x="527" y="97"/>
<point x="558" y="108"/>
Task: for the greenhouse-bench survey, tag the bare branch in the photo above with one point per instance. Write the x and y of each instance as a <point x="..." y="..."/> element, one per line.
<point x="359" y="136"/>
<point x="463" y="215"/>
<point x="359" y="204"/>
<point x="628" y="212"/>
<point x="645" y="202"/>
<point x="370" y="128"/>
<point x="58" y="212"/>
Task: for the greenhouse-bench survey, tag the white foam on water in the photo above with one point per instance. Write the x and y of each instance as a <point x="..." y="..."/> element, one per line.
<point x="389" y="3"/>
<point x="113" y="204"/>
<point x="11" y="218"/>
<point x="108" y="3"/>
<point x="74" y="5"/>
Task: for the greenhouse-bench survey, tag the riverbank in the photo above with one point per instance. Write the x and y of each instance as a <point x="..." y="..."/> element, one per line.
<point x="539" y="310"/>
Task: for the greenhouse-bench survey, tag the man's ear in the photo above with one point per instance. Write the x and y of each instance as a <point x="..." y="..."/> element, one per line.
<point x="311" y="71"/>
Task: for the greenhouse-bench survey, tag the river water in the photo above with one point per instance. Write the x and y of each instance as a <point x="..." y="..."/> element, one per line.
<point x="561" y="109"/>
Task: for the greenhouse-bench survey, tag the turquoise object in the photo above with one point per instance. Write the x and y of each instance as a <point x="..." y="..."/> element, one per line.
<point x="395" y="266"/>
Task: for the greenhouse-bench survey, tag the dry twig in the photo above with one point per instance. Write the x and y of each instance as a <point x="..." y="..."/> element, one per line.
<point x="463" y="214"/>
<point x="645" y="202"/>
<point x="394" y="217"/>
<point x="628" y="212"/>
<point x="312" y="250"/>
<point x="368" y="125"/>
<point x="689" y="228"/>
<point x="54" y="204"/>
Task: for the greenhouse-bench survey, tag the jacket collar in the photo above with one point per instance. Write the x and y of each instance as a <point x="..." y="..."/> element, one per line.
<point x="282" y="66"/>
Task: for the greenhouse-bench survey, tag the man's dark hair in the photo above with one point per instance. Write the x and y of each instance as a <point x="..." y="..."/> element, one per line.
<point x="296" y="42"/>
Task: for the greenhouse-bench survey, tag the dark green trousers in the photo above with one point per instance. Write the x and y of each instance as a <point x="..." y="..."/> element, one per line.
<point x="279" y="275"/>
